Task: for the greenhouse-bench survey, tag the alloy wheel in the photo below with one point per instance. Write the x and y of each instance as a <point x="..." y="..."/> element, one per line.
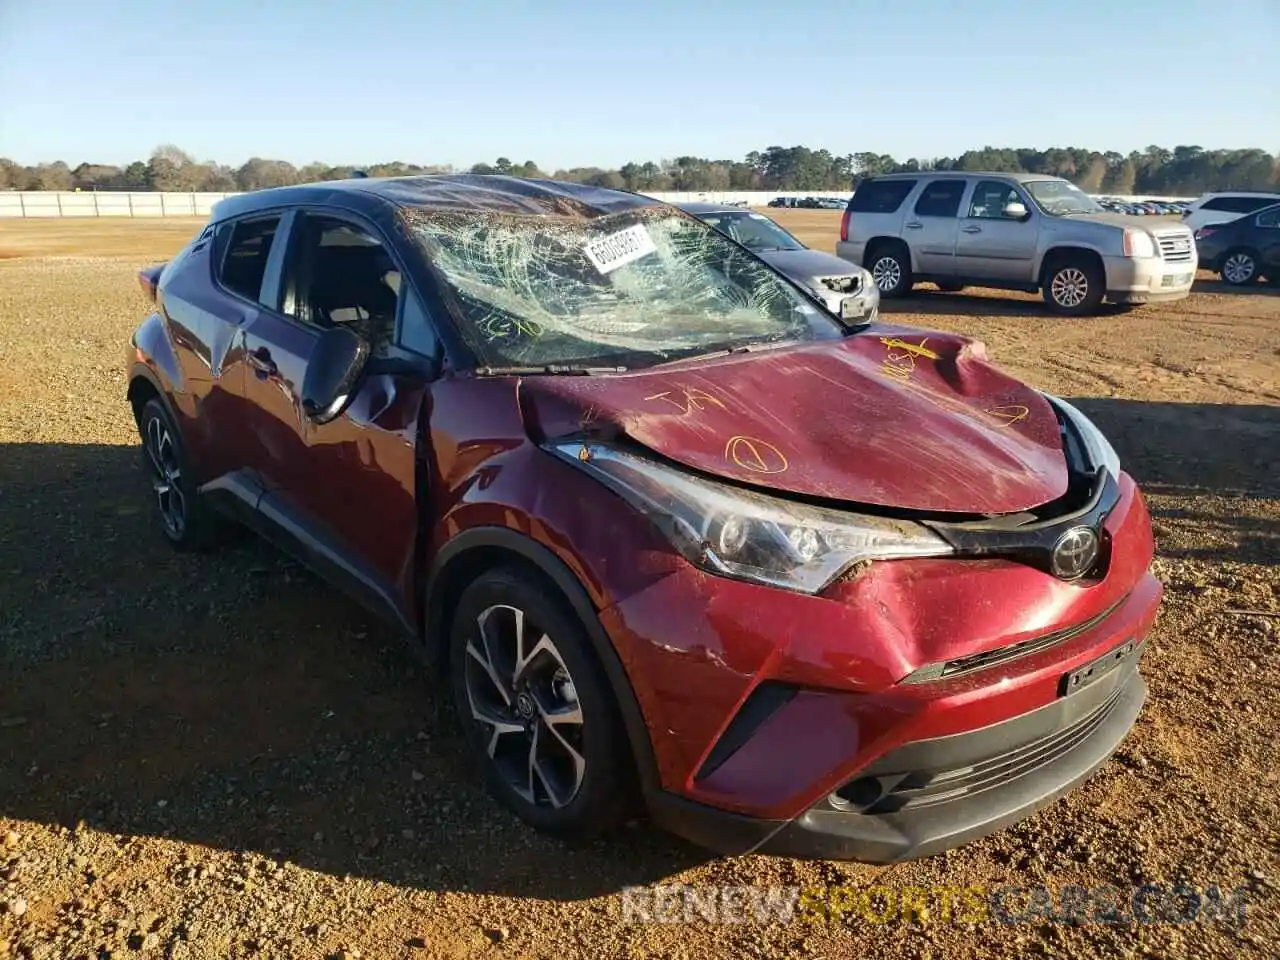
<point x="520" y="692"/>
<point x="1239" y="268"/>
<point x="887" y="273"/>
<point x="1069" y="287"/>
<point x="162" y="453"/>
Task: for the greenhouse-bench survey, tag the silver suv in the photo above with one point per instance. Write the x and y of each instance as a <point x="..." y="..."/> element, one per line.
<point x="1014" y="231"/>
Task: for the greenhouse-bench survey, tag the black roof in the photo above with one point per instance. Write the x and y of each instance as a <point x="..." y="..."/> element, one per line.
<point x="461" y="192"/>
<point x="701" y="206"/>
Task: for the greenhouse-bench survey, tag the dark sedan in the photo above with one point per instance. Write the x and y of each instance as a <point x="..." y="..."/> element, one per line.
<point x="1244" y="249"/>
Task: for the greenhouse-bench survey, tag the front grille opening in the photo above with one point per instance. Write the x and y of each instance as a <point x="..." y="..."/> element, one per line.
<point x="1175" y="247"/>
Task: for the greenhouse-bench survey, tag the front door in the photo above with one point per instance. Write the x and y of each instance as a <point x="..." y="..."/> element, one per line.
<point x="931" y="229"/>
<point x="345" y="490"/>
<point x="992" y="246"/>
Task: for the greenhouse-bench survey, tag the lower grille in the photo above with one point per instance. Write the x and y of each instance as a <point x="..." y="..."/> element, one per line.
<point x="890" y="793"/>
<point x="1175" y="247"/>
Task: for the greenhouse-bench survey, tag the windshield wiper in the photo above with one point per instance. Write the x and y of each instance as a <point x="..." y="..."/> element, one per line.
<point x="563" y="369"/>
<point x="730" y="351"/>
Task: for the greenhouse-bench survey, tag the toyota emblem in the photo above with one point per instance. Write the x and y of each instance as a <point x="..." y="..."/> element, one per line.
<point x="1075" y="553"/>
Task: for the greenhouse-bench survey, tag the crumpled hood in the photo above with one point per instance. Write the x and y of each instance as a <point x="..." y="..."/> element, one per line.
<point x="892" y="416"/>
<point x="804" y="265"/>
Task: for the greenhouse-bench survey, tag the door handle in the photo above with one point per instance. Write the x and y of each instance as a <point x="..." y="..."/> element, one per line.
<point x="970" y="229"/>
<point x="261" y="362"/>
<point x="913" y="225"/>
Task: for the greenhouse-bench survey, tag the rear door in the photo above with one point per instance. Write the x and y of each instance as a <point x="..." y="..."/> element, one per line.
<point x="343" y="491"/>
<point x="1267" y="230"/>
<point x="930" y="229"/>
<point x="991" y="246"/>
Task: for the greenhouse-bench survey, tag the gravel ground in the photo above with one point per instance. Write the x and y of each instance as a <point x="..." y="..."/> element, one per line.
<point x="217" y="756"/>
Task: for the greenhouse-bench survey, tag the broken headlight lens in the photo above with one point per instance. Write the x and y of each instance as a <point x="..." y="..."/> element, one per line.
<point x="747" y="535"/>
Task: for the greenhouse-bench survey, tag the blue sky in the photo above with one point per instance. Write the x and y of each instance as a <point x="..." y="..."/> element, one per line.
<point x="576" y="83"/>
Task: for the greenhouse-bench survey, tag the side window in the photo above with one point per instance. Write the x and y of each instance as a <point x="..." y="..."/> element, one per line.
<point x="340" y="274"/>
<point x="880" y="196"/>
<point x="990" y="197"/>
<point x="1270" y="218"/>
<point x="1217" y="203"/>
<point x="1250" y="204"/>
<point x="941" y="198"/>
<point x="417" y="332"/>
<point x="245" y="245"/>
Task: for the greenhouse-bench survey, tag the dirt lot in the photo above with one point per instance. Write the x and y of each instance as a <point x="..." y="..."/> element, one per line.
<point x="217" y="756"/>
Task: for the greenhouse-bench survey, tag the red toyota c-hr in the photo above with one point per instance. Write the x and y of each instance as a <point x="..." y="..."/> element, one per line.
<point x="802" y="583"/>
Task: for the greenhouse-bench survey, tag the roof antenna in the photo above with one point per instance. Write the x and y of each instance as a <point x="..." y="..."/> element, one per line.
<point x="359" y="175"/>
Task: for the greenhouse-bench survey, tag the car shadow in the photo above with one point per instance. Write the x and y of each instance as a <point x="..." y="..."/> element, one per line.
<point x="1213" y="284"/>
<point x="928" y="301"/>
<point x="233" y="700"/>
<point x="1208" y="472"/>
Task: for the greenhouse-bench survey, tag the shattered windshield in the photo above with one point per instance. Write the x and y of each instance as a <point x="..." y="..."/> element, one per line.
<point x="754" y="231"/>
<point x="629" y="289"/>
<point x="1061" y="198"/>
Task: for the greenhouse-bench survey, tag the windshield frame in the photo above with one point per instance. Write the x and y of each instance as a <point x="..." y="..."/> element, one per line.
<point x="1040" y="205"/>
<point x="821" y="323"/>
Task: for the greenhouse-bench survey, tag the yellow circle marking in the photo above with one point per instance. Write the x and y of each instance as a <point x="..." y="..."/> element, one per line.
<point x="755" y="455"/>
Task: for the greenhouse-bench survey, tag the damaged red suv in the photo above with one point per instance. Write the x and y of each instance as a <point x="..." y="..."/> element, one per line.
<point x="676" y="533"/>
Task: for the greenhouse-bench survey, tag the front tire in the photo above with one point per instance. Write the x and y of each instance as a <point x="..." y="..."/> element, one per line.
<point x="186" y="522"/>
<point x="538" y="715"/>
<point x="890" y="266"/>
<point x="1073" y="286"/>
<point x="1239" y="267"/>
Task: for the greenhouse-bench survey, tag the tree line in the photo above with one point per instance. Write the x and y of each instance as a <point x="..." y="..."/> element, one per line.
<point x="1182" y="171"/>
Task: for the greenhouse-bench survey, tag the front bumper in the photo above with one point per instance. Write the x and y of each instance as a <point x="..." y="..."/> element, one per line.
<point x="761" y="704"/>
<point x="1150" y="280"/>
<point x="937" y="794"/>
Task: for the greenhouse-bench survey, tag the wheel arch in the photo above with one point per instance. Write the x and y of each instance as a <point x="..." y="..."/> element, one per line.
<point x="879" y="242"/>
<point x="1064" y="251"/>
<point x="472" y="552"/>
<point x="144" y="386"/>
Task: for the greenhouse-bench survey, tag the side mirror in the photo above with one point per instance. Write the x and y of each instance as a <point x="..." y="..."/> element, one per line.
<point x="1015" y="211"/>
<point x="332" y="373"/>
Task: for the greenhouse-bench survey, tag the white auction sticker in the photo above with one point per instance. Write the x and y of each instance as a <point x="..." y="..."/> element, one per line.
<point x="618" y="249"/>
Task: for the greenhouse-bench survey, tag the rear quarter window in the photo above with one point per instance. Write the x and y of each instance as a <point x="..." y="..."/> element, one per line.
<point x="880" y="196"/>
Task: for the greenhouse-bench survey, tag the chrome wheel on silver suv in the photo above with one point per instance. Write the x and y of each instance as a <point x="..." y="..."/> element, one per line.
<point x="1072" y="284"/>
<point x="890" y="267"/>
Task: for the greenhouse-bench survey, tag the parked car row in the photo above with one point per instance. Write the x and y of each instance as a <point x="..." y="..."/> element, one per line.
<point x="810" y="203"/>
<point x="678" y="538"/>
<point x="1142" y="208"/>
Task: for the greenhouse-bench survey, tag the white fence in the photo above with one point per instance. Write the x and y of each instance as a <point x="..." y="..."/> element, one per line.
<point x="52" y="203"/>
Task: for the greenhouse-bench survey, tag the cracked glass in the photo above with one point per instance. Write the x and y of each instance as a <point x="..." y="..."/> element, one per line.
<point x="627" y="289"/>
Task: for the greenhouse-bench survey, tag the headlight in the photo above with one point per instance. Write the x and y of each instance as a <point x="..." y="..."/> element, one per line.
<point x="1139" y="243"/>
<point x="1097" y="448"/>
<point x="746" y="535"/>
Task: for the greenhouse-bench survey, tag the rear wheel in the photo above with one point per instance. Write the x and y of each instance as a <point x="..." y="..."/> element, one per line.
<point x="186" y="522"/>
<point x="890" y="266"/>
<point x="538" y="714"/>
<point x="1239" y="267"/>
<point x="1073" y="285"/>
